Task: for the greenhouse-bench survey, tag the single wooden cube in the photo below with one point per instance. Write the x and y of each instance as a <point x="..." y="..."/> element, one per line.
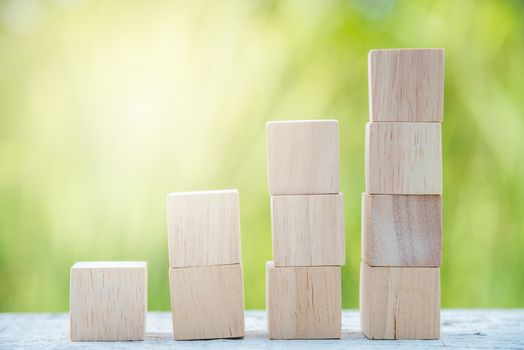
<point x="399" y="230"/>
<point x="303" y="157"/>
<point x="108" y="300"/>
<point x="406" y="85"/>
<point x="207" y="302"/>
<point x="308" y="230"/>
<point x="303" y="302"/>
<point x="403" y="158"/>
<point x="203" y="228"/>
<point x="400" y="302"/>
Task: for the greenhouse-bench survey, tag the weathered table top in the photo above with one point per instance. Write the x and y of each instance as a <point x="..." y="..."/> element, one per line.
<point x="461" y="329"/>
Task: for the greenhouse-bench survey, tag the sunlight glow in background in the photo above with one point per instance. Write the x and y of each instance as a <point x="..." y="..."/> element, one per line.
<point x="106" y="106"/>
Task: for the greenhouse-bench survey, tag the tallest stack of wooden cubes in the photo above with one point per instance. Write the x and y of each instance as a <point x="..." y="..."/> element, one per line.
<point x="401" y="211"/>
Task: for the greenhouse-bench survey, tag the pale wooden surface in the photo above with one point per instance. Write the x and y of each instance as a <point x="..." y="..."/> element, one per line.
<point x="303" y="157"/>
<point x="400" y="302"/>
<point x="207" y="301"/>
<point x="308" y="230"/>
<point x="108" y="300"/>
<point x="461" y="329"/>
<point x="403" y="158"/>
<point x="399" y="230"/>
<point x="406" y="85"/>
<point x="203" y="228"/>
<point x="303" y="302"/>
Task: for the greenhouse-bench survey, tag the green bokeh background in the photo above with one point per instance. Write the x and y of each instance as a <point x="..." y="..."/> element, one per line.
<point x="106" y="106"/>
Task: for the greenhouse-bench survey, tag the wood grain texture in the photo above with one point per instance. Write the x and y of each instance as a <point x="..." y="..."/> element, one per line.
<point x="203" y="228"/>
<point x="207" y="302"/>
<point x="308" y="230"/>
<point x="406" y="85"/>
<point x="400" y="302"/>
<point x="303" y="157"/>
<point x="303" y="302"/>
<point x="108" y="301"/>
<point x="399" y="230"/>
<point x="403" y="158"/>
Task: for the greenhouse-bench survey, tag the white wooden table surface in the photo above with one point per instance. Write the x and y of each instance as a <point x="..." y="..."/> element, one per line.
<point x="461" y="329"/>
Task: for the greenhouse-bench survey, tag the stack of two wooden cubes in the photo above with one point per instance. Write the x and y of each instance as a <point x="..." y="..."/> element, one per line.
<point x="205" y="272"/>
<point x="401" y="211"/>
<point x="303" y="287"/>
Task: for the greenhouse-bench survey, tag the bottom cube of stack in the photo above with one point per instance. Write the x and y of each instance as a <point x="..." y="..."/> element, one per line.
<point x="400" y="302"/>
<point x="207" y="302"/>
<point x="108" y="300"/>
<point x="303" y="302"/>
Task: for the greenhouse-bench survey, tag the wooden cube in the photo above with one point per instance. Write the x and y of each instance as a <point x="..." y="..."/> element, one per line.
<point x="308" y="230"/>
<point x="203" y="228"/>
<point x="400" y="302"/>
<point x="207" y="302"/>
<point x="403" y="158"/>
<point x="399" y="230"/>
<point x="303" y="157"/>
<point x="406" y="85"/>
<point x="108" y="300"/>
<point x="303" y="302"/>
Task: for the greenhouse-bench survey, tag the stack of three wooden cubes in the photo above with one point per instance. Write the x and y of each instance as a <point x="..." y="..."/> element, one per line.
<point x="303" y="286"/>
<point x="401" y="211"/>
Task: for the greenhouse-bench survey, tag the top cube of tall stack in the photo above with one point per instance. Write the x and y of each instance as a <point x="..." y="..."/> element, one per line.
<point x="303" y="157"/>
<point x="406" y="85"/>
<point x="203" y="228"/>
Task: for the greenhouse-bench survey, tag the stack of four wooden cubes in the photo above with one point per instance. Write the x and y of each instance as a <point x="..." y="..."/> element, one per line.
<point x="401" y="209"/>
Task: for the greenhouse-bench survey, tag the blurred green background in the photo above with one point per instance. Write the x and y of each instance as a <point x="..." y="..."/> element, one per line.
<point x="106" y="106"/>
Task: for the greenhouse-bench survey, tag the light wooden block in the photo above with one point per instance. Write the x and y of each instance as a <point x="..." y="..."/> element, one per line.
<point x="308" y="230"/>
<point x="203" y="228"/>
<point x="400" y="302"/>
<point x="207" y="302"/>
<point x="406" y="85"/>
<point x="399" y="230"/>
<point x="303" y="302"/>
<point x="403" y="158"/>
<point x="303" y="157"/>
<point x="108" y="300"/>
